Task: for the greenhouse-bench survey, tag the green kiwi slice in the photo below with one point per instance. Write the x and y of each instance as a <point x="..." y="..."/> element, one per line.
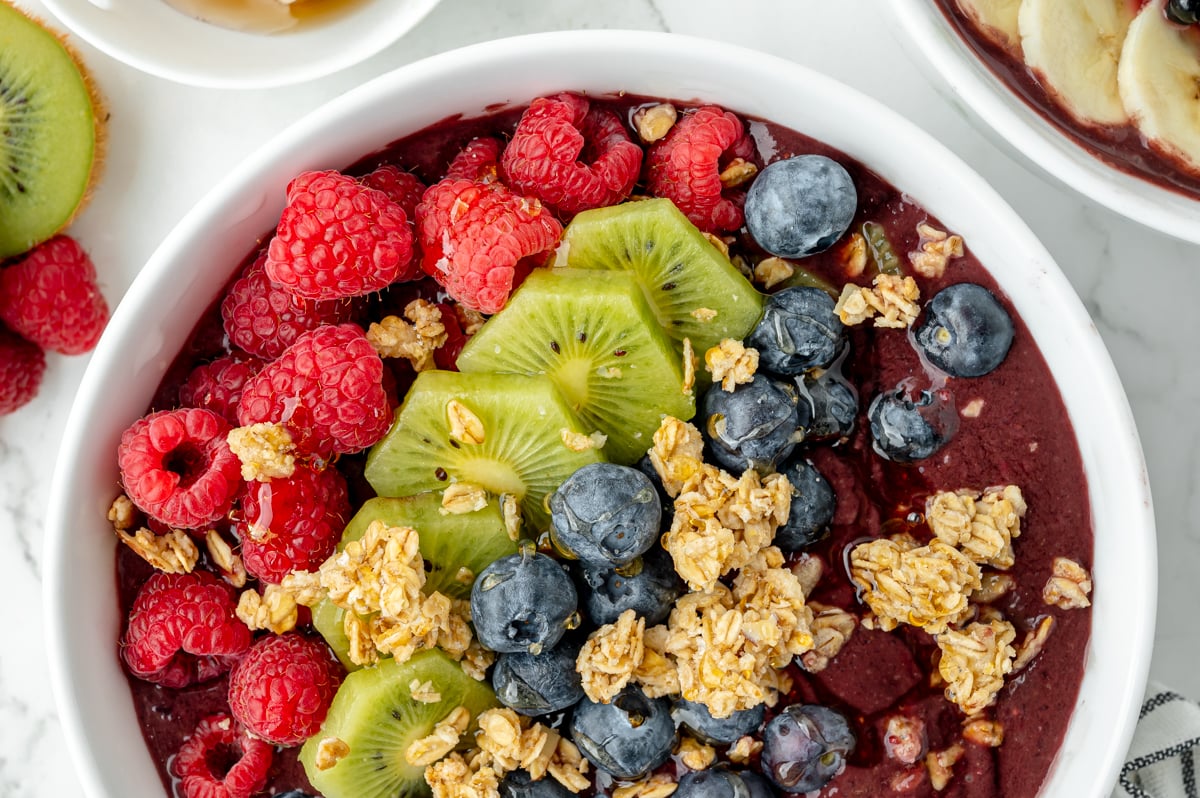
<point x="48" y="133"/>
<point x="522" y="451"/>
<point x="684" y="276"/>
<point x="595" y="335"/>
<point x="375" y="714"/>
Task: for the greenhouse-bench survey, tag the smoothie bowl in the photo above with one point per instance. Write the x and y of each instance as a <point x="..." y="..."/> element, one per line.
<point x="1101" y="96"/>
<point x="649" y="493"/>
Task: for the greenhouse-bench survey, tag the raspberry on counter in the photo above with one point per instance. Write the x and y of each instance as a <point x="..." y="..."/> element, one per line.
<point x="22" y="365"/>
<point x="51" y="298"/>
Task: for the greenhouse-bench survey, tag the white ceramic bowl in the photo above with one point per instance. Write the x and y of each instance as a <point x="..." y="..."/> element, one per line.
<point x="1021" y="130"/>
<point x="154" y="37"/>
<point x="177" y="284"/>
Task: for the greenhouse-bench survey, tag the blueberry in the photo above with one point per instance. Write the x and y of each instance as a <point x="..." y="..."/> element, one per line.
<point x="834" y="405"/>
<point x="519" y="784"/>
<point x="799" y="330"/>
<point x="805" y="746"/>
<point x="535" y="684"/>
<point x="800" y="206"/>
<point x="720" y="731"/>
<point x="626" y="738"/>
<point x="904" y="430"/>
<point x="522" y="602"/>
<point x="754" y="426"/>
<point x="1184" y="12"/>
<point x="813" y="505"/>
<point x="605" y="514"/>
<point x="711" y="783"/>
<point x="648" y="586"/>
<point x="966" y="331"/>
<point x="756" y="784"/>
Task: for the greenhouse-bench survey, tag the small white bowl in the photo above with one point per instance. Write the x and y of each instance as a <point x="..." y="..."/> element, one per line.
<point x="180" y="281"/>
<point x="1022" y="130"/>
<point x="154" y="37"/>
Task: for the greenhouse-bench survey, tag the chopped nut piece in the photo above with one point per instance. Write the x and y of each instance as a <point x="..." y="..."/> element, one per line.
<point x="612" y="653"/>
<point x="172" y="552"/>
<point x="703" y="314"/>
<point x="658" y="785"/>
<point x="695" y="755"/>
<point x="719" y="243"/>
<point x="973" y="408"/>
<point x="738" y="172"/>
<point x="223" y="556"/>
<point x="974" y="663"/>
<point x="677" y="454"/>
<point x="414" y="340"/>
<point x="1034" y="642"/>
<point x="511" y="510"/>
<point x="891" y="302"/>
<point x="441" y="741"/>
<point x="993" y="587"/>
<point x="578" y="442"/>
<point x="983" y="731"/>
<point x="853" y="255"/>
<point x="464" y="575"/>
<point x="423" y="692"/>
<point x="330" y="751"/>
<point x="465" y="426"/>
<point x="266" y="450"/>
<point x="981" y="527"/>
<point x="731" y="363"/>
<point x="275" y="610"/>
<point x="831" y="628"/>
<point x="926" y="586"/>
<point x="462" y="497"/>
<point x="469" y="320"/>
<point x="904" y="740"/>
<point x="654" y="121"/>
<point x="808" y="570"/>
<point x="741" y="751"/>
<point x="940" y="764"/>
<point x="689" y="367"/>
<point x="1068" y="586"/>
<point x="770" y="272"/>
<point x="936" y="250"/>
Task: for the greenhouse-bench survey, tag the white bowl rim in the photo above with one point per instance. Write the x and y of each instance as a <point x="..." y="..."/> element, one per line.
<point x="1103" y="720"/>
<point x="115" y="28"/>
<point x="1030" y="135"/>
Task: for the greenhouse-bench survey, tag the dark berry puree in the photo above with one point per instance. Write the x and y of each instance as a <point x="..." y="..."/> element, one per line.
<point x="1121" y="146"/>
<point x="1021" y="435"/>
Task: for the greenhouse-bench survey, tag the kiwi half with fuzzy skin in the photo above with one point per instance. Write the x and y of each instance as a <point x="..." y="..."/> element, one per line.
<point x="375" y="713"/>
<point x="595" y="335"/>
<point x="517" y="447"/>
<point x="695" y="291"/>
<point x="49" y="133"/>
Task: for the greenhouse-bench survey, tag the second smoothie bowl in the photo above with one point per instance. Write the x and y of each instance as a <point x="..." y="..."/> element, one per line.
<point x="571" y="414"/>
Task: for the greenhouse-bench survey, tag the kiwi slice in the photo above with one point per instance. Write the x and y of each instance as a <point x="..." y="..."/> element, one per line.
<point x="684" y="276"/>
<point x="48" y="133"/>
<point x="595" y="335"/>
<point x="375" y="714"/>
<point x="328" y="620"/>
<point x="522" y="453"/>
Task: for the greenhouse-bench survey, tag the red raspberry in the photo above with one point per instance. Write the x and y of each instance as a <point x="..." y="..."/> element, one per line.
<point x="183" y="629"/>
<point x="478" y="238"/>
<point x="177" y="467"/>
<point x="446" y="355"/>
<point x="51" y="297"/>
<point x="22" y="365"/>
<point x="264" y="318"/>
<point x="403" y="188"/>
<point x="338" y="238"/>
<point x="571" y="158"/>
<point x="685" y="167"/>
<point x="479" y="161"/>
<point x="217" y="386"/>
<point x="326" y="388"/>
<point x="282" y="688"/>
<point x="221" y="760"/>
<point x="292" y="524"/>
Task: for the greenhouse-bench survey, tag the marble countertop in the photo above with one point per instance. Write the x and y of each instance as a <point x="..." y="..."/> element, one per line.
<point x="167" y="144"/>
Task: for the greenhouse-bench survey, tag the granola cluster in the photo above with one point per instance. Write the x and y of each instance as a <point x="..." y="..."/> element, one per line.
<point x="415" y="337"/>
<point x="891" y="302"/>
<point x="975" y="661"/>
<point x="935" y="251"/>
<point x="731" y="364"/>
<point x="612" y="653"/>
<point x="1068" y="586"/>
<point x="923" y="586"/>
<point x="266" y="450"/>
<point x="980" y="526"/>
<point x="172" y="552"/>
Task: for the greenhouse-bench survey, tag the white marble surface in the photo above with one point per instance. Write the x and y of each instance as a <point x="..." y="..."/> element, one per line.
<point x="167" y="144"/>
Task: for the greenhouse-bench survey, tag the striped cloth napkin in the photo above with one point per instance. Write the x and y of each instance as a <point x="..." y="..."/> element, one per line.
<point x="1162" y="759"/>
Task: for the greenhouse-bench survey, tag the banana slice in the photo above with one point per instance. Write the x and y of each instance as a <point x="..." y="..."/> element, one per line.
<point x="1159" y="80"/>
<point x="997" y="20"/>
<point x="1073" y="46"/>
